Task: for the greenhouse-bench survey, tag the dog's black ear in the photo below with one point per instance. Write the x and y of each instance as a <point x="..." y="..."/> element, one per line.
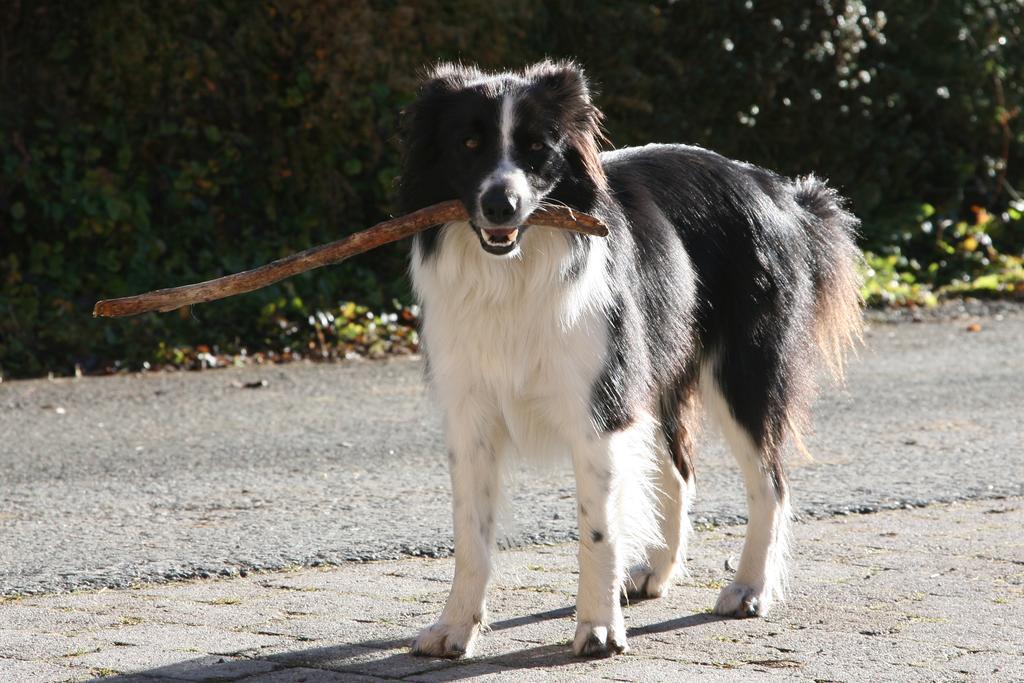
<point x="435" y="82"/>
<point x="566" y="84"/>
<point x="447" y="77"/>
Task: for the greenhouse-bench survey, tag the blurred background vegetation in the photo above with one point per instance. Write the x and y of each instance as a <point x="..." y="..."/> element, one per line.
<point x="150" y="144"/>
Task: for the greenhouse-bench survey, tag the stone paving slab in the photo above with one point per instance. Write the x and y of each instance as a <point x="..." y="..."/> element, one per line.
<point x="923" y="594"/>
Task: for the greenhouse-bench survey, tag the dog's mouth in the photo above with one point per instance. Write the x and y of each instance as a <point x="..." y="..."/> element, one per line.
<point x="500" y="241"/>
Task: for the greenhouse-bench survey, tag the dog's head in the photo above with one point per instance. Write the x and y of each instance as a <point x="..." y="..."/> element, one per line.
<point x="502" y="143"/>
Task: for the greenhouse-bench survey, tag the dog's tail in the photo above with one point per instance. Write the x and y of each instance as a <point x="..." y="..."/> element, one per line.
<point x="836" y="267"/>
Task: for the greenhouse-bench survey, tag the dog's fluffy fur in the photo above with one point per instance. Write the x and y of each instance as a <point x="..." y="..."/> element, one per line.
<point x="718" y="284"/>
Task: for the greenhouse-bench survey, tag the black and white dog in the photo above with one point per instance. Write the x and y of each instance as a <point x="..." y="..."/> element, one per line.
<point x="718" y="285"/>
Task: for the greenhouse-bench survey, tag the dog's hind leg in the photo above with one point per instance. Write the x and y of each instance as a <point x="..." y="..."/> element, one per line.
<point x="675" y="489"/>
<point x="616" y="521"/>
<point x="756" y="445"/>
<point x="476" y="446"/>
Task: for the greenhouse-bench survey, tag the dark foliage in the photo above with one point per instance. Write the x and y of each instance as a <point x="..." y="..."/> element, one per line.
<point x="146" y="144"/>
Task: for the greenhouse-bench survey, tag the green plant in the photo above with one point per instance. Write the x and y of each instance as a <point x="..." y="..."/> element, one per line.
<point x="936" y="256"/>
<point x="145" y="145"/>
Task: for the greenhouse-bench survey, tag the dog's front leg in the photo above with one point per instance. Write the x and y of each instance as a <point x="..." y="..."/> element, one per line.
<point x="475" y="465"/>
<point x="599" y="627"/>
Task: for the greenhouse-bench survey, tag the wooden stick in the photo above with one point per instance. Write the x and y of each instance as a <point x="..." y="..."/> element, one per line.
<point x="388" y="231"/>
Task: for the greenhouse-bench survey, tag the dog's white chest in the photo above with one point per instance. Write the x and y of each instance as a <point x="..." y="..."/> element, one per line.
<point x="512" y="333"/>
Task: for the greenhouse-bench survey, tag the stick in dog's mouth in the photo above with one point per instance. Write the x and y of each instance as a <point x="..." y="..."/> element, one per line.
<point x="327" y="254"/>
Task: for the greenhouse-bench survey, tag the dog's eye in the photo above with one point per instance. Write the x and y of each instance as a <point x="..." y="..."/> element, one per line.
<point x="471" y="143"/>
<point x="537" y="147"/>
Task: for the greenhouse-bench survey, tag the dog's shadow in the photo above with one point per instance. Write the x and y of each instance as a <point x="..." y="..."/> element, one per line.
<point x="391" y="658"/>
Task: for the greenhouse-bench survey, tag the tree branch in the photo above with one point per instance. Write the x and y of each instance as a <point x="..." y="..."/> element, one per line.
<point x="383" y="233"/>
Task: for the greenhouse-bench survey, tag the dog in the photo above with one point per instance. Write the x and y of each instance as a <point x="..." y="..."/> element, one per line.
<point x="718" y="286"/>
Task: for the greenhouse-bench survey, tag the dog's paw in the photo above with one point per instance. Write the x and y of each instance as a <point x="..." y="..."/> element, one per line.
<point x="645" y="583"/>
<point x="449" y="641"/>
<point x="594" y="640"/>
<point x="742" y="601"/>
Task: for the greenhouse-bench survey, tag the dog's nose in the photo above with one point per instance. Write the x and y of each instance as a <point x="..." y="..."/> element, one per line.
<point x="497" y="205"/>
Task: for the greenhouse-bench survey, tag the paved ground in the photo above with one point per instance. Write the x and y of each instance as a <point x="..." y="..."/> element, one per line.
<point x="131" y="484"/>
<point x="932" y="594"/>
<point x="113" y="481"/>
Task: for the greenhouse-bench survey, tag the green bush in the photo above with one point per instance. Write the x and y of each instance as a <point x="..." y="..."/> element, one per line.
<point x="145" y="145"/>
